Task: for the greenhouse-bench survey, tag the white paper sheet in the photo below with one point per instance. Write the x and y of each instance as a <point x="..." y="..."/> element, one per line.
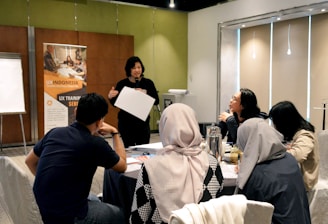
<point x="133" y="170"/>
<point x="131" y="160"/>
<point x="228" y="171"/>
<point x="135" y="102"/>
<point x="155" y="146"/>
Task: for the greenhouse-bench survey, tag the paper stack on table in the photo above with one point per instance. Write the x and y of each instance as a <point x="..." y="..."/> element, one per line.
<point x="134" y="164"/>
<point x="148" y="148"/>
<point x="132" y="160"/>
<point x="228" y="171"/>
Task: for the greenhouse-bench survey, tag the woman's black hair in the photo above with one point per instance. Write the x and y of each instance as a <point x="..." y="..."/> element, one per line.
<point x="91" y="107"/>
<point x="130" y="63"/>
<point x="249" y="102"/>
<point x="287" y="120"/>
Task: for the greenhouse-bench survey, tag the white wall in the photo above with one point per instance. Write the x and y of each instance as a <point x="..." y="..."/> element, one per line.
<point x="203" y="48"/>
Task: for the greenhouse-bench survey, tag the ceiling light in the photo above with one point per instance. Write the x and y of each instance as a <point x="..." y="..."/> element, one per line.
<point x="289" y="51"/>
<point x="253" y="50"/>
<point x="172" y="5"/>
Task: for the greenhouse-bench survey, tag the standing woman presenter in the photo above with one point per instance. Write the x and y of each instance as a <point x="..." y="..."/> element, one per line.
<point x="134" y="131"/>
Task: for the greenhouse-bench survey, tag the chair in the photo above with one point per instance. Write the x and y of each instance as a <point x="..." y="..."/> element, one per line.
<point x="318" y="196"/>
<point x="16" y="195"/>
<point x="224" y="210"/>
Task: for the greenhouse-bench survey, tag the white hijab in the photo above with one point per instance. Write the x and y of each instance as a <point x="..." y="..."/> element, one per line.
<point x="259" y="142"/>
<point x="177" y="172"/>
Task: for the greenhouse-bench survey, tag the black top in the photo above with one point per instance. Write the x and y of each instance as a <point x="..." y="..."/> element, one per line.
<point x="280" y="183"/>
<point x="144" y="83"/>
<point x="229" y="129"/>
<point x="69" y="157"/>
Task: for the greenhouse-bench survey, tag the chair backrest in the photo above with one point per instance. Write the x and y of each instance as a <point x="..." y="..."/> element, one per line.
<point x="323" y="154"/>
<point x="224" y="210"/>
<point x="318" y="196"/>
<point x="16" y="195"/>
<point x="258" y="212"/>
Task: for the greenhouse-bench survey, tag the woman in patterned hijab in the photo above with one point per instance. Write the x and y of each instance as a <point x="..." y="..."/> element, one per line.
<point x="178" y="172"/>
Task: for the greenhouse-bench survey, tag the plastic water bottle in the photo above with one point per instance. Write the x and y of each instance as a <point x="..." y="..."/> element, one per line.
<point x="214" y="140"/>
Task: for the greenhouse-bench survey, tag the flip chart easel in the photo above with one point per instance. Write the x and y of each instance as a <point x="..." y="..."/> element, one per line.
<point x="11" y="89"/>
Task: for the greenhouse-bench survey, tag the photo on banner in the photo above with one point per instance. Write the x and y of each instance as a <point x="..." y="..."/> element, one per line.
<point x="65" y="80"/>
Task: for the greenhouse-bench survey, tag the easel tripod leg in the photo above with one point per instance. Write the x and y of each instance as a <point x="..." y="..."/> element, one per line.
<point x="1" y="133"/>
<point x="23" y="132"/>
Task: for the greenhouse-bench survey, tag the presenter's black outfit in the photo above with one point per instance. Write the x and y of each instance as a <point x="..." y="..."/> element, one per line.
<point x="135" y="131"/>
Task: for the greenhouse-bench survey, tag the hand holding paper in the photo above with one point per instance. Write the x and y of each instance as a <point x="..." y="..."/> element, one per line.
<point x="135" y="102"/>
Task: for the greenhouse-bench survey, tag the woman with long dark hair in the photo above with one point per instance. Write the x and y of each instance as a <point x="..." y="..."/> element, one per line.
<point x="302" y="142"/>
<point x="243" y="105"/>
<point x="267" y="173"/>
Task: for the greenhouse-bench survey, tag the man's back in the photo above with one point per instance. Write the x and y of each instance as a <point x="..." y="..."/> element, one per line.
<point x="69" y="157"/>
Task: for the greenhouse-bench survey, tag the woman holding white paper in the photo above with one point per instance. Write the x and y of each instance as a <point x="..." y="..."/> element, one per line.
<point x="134" y="131"/>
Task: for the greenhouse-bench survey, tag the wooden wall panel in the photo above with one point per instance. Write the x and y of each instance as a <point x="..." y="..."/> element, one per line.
<point x="106" y="57"/>
<point x="14" y="39"/>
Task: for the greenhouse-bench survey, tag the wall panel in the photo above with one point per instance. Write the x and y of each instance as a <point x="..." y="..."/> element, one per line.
<point x="319" y="68"/>
<point x="255" y="71"/>
<point x="289" y="72"/>
<point x="106" y="57"/>
<point x="14" y="39"/>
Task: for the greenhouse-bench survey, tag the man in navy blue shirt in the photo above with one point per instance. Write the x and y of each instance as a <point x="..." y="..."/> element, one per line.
<point x="65" y="160"/>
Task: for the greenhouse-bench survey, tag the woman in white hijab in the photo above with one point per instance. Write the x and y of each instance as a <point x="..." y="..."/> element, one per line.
<point x="267" y="173"/>
<point x="179" y="174"/>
